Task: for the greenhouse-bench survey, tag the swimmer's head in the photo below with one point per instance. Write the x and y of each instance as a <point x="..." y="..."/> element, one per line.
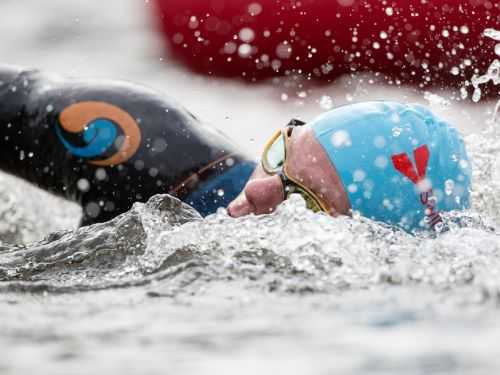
<point x="394" y="163"/>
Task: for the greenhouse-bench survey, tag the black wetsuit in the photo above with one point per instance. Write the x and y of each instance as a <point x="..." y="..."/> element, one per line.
<point x="108" y="144"/>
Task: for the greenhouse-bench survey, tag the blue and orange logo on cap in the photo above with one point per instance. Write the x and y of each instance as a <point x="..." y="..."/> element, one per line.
<point x="100" y="132"/>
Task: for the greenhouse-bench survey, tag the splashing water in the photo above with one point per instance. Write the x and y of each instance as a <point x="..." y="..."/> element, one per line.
<point x="492" y="74"/>
<point x="165" y="246"/>
<point x="492" y="33"/>
<point x="161" y="274"/>
<point x="485" y="147"/>
<point x="294" y="290"/>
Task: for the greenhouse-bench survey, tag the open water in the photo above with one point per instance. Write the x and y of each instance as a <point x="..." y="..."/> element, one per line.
<point x="159" y="290"/>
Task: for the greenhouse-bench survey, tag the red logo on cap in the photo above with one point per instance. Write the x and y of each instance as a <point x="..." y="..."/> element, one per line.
<point x="403" y="164"/>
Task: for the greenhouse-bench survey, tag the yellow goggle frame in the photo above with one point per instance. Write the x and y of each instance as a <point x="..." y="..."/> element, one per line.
<point x="290" y="184"/>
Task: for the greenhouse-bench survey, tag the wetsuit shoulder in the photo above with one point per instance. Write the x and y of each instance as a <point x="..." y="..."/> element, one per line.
<point x="105" y="144"/>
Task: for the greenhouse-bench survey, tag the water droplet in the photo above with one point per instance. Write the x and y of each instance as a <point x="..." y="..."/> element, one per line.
<point x="276" y="65"/>
<point x="92" y="209"/>
<point x="379" y="141"/>
<point x="436" y="100"/>
<point x="159" y="145"/>
<point x="254" y="9"/>
<point x="387" y="204"/>
<point x="381" y="162"/>
<point x="341" y="138"/>
<point x="383" y="35"/>
<point x="352" y="188"/>
<point x="246" y="34"/>
<point x="230" y="48"/>
<point x="326" y="102"/>
<point x="244" y="50"/>
<point x="177" y="38"/>
<point x="449" y="186"/>
<point x="497" y="49"/>
<point x="476" y="95"/>
<point x="100" y="173"/>
<point x="492" y="33"/>
<point x="358" y="175"/>
<point x="463" y="93"/>
<point x="389" y="11"/>
<point x="193" y="22"/>
<point x="153" y="172"/>
<point x="83" y="185"/>
<point x="284" y="50"/>
<point x="396" y="131"/>
<point x="356" y="215"/>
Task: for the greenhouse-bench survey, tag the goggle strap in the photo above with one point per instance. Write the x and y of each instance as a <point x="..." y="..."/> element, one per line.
<point x="285" y="181"/>
<point x="295" y="122"/>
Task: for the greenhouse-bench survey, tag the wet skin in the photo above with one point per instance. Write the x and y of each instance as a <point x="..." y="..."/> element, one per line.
<point x="308" y="163"/>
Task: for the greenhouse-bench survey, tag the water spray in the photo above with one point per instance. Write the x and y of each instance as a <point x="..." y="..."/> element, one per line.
<point x="492" y="74"/>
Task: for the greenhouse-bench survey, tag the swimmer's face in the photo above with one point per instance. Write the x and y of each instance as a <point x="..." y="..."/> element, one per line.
<point x="306" y="162"/>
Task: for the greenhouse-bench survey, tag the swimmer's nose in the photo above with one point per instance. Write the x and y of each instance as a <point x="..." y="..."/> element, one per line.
<point x="260" y="196"/>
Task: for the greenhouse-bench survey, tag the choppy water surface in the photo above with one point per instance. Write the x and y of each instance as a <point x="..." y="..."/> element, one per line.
<point x="159" y="290"/>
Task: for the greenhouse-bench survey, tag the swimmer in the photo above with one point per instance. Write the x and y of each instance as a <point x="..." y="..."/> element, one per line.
<point x="109" y="144"/>
<point x="394" y="163"/>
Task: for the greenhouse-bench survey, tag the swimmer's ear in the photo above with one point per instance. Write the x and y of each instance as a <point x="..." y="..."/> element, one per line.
<point x="295" y="122"/>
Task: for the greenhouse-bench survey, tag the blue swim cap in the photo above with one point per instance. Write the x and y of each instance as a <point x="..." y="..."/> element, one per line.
<point x="398" y="163"/>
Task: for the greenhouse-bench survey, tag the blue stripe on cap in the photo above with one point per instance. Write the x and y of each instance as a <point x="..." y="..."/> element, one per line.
<point x="361" y="140"/>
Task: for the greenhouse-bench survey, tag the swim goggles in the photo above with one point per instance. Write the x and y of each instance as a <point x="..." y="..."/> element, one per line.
<point x="274" y="163"/>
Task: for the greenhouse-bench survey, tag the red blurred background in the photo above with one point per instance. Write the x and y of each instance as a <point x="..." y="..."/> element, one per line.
<point x="428" y="43"/>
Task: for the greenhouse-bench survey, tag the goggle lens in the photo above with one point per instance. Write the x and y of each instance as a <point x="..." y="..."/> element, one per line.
<point x="274" y="157"/>
<point x="273" y="160"/>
